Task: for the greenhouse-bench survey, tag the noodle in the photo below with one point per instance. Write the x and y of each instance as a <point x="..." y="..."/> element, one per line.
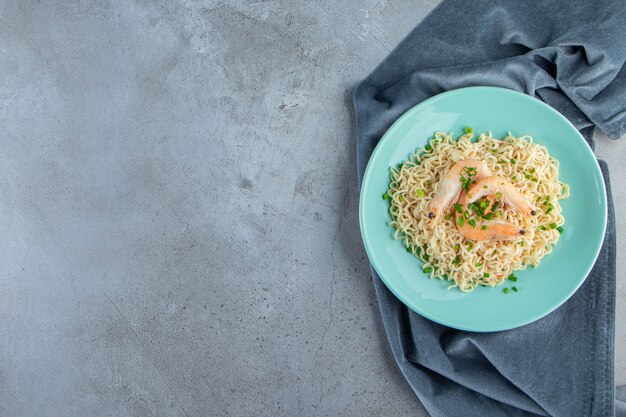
<point x="445" y="252"/>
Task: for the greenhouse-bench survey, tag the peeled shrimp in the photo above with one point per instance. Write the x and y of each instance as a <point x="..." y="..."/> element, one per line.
<point x="489" y="230"/>
<point x="493" y="229"/>
<point x="450" y="186"/>
<point x="500" y="187"/>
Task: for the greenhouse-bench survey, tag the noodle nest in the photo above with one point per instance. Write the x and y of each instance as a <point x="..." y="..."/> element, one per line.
<point x="445" y="252"/>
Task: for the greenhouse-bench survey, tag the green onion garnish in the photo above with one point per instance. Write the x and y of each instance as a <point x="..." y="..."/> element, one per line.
<point x="506" y="290"/>
<point x="484" y="227"/>
<point x="560" y="229"/>
<point x="553" y="226"/>
<point x="498" y="195"/>
<point x="427" y="270"/>
<point x="420" y="193"/>
<point x="472" y="222"/>
<point x="428" y="148"/>
<point x="542" y="228"/>
<point x="468" y="129"/>
<point x="489" y="216"/>
<point x="479" y="264"/>
<point x="448" y="216"/>
<point x="460" y="221"/>
<point x="457" y="247"/>
<point x="470" y="245"/>
<point x="513" y="278"/>
<point x="512" y="161"/>
<point x="486" y="275"/>
<point x="514" y="288"/>
<point x="458" y="208"/>
<point x="533" y="170"/>
<point x="401" y="198"/>
<point x="385" y="196"/>
<point x="466" y="215"/>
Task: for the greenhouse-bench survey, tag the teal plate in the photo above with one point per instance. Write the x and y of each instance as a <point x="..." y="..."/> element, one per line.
<point x="541" y="289"/>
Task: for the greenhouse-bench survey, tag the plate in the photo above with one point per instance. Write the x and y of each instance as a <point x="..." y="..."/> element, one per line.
<point x="541" y="289"/>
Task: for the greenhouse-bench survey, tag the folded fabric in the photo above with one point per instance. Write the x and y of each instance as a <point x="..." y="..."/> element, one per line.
<point x="571" y="55"/>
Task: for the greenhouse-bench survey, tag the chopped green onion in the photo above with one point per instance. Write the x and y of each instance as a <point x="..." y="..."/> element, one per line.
<point x="553" y="226"/>
<point x="457" y="260"/>
<point x="485" y="187"/>
<point x="458" y="208"/>
<point x="429" y="182"/>
<point x="550" y="208"/>
<point x="427" y="270"/>
<point x="512" y="161"/>
<point x="401" y="198"/>
<point x="466" y="215"/>
<point x="513" y="278"/>
<point x="489" y="216"/>
<point x="560" y="229"/>
<point x="542" y="228"/>
<point x="483" y="227"/>
<point x="527" y="176"/>
<point x="469" y="195"/>
<point x="513" y="177"/>
<point x="428" y="148"/>
<point x="460" y="221"/>
<point x="486" y="275"/>
<point x="408" y="249"/>
<point x="494" y="150"/>
<point x="457" y="247"/>
<point x="385" y="196"/>
<point x="479" y="264"/>
<point x="448" y="216"/>
<point x="506" y="290"/>
<point x="538" y="199"/>
<point x="470" y="245"/>
<point x="533" y="170"/>
<point x="468" y="129"/>
<point x="514" y="288"/>
<point x="420" y="193"/>
<point x="472" y="222"/>
<point x="498" y="195"/>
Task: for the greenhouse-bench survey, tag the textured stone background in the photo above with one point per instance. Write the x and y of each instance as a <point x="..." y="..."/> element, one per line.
<point x="179" y="210"/>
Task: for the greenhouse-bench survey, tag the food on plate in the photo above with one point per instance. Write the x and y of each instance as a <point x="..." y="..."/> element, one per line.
<point x="475" y="210"/>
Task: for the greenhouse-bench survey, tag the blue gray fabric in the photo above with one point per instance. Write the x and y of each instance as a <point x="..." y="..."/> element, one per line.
<point x="571" y="55"/>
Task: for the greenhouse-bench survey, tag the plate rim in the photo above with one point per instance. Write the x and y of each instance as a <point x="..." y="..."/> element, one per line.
<point x="415" y="306"/>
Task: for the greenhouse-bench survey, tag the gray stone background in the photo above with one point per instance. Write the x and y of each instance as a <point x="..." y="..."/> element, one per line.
<point x="179" y="210"/>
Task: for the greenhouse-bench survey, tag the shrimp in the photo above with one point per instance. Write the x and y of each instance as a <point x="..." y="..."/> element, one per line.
<point x="501" y="188"/>
<point x="493" y="229"/>
<point x="450" y="186"/>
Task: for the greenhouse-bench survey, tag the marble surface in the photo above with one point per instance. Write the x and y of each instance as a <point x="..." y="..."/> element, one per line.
<point x="179" y="210"/>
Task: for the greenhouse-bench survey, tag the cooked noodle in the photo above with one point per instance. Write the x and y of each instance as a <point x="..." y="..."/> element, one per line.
<point x="445" y="252"/>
